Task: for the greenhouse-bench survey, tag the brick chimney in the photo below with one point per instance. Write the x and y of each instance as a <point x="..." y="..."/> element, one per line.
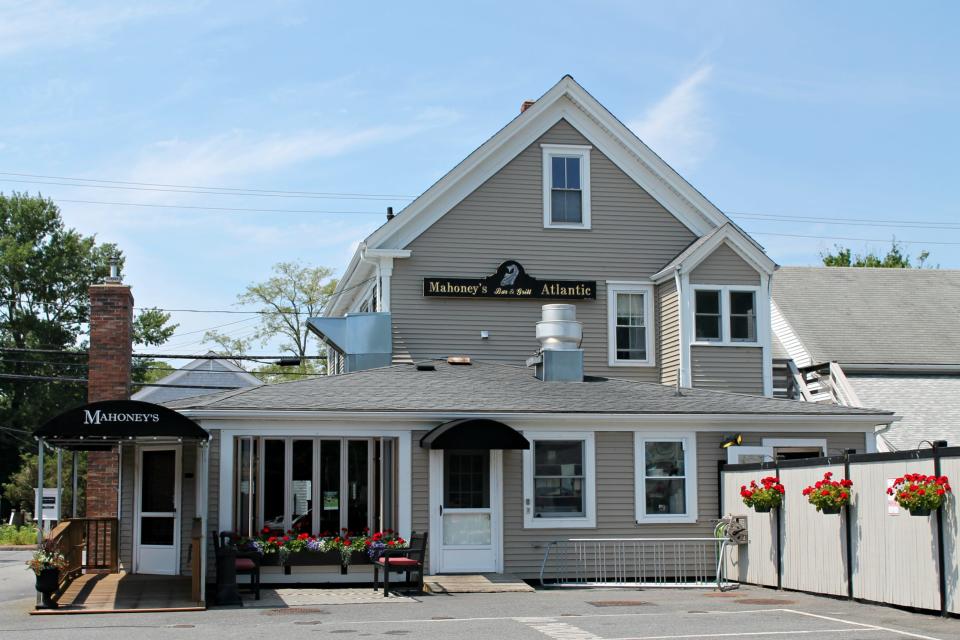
<point x="108" y="378"/>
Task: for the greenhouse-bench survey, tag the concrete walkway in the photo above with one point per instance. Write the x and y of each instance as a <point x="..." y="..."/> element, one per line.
<point x="476" y="583"/>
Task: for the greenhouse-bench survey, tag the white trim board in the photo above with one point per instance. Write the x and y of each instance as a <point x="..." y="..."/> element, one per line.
<point x="691" y="488"/>
<point x="589" y="519"/>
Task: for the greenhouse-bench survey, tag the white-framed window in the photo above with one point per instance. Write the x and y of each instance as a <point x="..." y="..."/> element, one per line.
<point x="665" y="477"/>
<point x="559" y="481"/>
<point x="630" y="324"/>
<point x="725" y="315"/>
<point x="566" y="186"/>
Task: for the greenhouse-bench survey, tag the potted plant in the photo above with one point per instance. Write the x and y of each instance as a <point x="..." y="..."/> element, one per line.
<point x="382" y="541"/>
<point x="920" y="494"/>
<point x="765" y="496"/>
<point x="47" y="563"/>
<point x="829" y="495"/>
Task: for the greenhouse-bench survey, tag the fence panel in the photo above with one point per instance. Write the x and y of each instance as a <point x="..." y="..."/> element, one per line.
<point x="950" y="467"/>
<point x="813" y="543"/>
<point x="894" y="554"/>
<point x="755" y="562"/>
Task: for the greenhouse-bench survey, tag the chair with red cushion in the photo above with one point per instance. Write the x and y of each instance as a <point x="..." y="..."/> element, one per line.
<point x="246" y="563"/>
<point x="401" y="560"/>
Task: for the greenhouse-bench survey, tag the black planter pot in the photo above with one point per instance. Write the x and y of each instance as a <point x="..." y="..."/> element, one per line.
<point x="764" y="509"/>
<point x="920" y="512"/>
<point x="831" y="510"/>
<point x="48" y="580"/>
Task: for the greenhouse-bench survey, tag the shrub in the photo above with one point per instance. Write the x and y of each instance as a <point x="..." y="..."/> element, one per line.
<point x="829" y="493"/>
<point x="10" y="534"/>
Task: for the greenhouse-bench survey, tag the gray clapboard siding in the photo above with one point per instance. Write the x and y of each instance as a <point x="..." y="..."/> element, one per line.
<point x="737" y="369"/>
<point x="188" y="503"/>
<point x="632" y="236"/>
<point x="213" y="498"/>
<point x="128" y="467"/>
<point x="420" y="491"/>
<point x="724" y="266"/>
<point x="523" y="548"/>
<point x="669" y="314"/>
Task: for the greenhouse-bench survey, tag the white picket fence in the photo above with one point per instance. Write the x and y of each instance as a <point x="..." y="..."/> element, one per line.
<point x="894" y="558"/>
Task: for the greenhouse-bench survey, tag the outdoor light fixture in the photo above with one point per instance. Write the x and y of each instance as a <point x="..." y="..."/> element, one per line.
<point x="732" y="441"/>
<point x="289" y="362"/>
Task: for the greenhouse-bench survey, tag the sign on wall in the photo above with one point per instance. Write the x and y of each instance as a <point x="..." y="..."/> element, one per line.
<point x="510" y="281"/>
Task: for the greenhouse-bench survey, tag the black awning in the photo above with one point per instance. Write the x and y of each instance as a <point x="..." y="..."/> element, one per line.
<point x="474" y="433"/>
<point x="102" y="424"/>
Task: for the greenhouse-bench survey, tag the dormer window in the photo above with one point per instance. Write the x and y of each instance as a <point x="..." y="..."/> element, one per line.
<point x="725" y="315"/>
<point x="566" y="186"/>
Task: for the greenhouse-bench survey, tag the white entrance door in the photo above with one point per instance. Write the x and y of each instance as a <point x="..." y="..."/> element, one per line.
<point x="157" y="526"/>
<point x="466" y="503"/>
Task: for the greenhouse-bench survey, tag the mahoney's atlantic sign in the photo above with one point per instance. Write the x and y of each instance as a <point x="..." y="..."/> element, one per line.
<point x="510" y="282"/>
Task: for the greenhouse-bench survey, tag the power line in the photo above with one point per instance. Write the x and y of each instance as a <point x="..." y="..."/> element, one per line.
<point x="899" y="241"/>
<point x="849" y="221"/>
<point x="251" y="194"/>
<point x="241" y="209"/>
<point x="193" y="186"/>
<point x="180" y="356"/>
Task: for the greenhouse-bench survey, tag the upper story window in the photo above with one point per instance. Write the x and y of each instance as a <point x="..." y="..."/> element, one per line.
<point x="630" y="324"/>
<point x="725" y="315"/>
<point x="566" y="186"/>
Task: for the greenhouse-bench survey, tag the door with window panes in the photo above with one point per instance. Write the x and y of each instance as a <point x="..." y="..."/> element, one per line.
<point x="468" y="483"/>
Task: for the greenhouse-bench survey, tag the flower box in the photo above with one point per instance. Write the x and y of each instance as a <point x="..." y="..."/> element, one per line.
<point x="920" y="511"/>
<point x="920" y="494"/>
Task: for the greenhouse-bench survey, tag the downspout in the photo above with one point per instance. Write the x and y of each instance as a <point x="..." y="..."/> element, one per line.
<point x="376" y="263"/>
<point x="684" y="357"/>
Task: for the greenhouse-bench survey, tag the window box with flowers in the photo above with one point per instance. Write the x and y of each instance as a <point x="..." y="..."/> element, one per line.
<point x="324" y="550"/>
<point x="765" y="496"/>
<point x="828" y="495"/>
<point x="920" y="494"/>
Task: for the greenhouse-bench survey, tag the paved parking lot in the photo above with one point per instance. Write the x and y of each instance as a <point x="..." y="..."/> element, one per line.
<point x="619" y="614"/>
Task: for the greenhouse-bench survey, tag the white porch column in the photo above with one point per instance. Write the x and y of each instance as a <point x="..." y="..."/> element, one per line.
<point x="405" y="483"/>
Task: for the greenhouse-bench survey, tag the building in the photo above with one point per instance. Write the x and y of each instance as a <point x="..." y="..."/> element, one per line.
<point x="447" y="415"/>
<point x="209" y="374"/>
<point x="875" y="337"/>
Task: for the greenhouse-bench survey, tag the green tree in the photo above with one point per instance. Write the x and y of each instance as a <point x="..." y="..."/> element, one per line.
<point x="19" y="490"/>
<point x="46" y="269"/>
<point x="895" y="258"/>
<point x="293" y="293"/>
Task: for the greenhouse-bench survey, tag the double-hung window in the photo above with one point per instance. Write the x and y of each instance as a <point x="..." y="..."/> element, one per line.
<point x="630" y="324"/>
<point x="666" y="477"/>
<point x="559" y="479"/>
<point x="566" y="186"/>
<point x="725" y="315"/>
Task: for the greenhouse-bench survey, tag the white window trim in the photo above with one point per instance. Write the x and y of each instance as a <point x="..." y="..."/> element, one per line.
<point x="613" y="288"/>
<point x="689" y="440"/>
<point x="589" y="519"/>
<point x="725" y="340"/>
<point x="583" y="152"/>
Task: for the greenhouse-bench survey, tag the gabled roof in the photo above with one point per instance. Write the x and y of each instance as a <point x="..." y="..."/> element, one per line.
<point x="565" y="100"/>
<point x="202" y="372"/>
<point x="701" y="248"/>
<point x="872" y="316"/>
<point x="490" y="388"/>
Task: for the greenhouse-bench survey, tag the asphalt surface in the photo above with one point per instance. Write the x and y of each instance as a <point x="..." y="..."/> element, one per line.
<point x="619" y="614"/>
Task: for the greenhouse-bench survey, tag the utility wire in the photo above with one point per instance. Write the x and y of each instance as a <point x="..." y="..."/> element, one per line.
<point x="898" y="240"/>
<point x="211" y="193"/>
<point x="180" y="356"/>
<point x="240" y="209"/>
<point x="856" y="222"/>
<point x="189" y="186"/>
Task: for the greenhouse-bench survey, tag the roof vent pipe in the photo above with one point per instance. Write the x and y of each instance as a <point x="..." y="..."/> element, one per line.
<point x="389" y="214"/>
<point x="560" y="358"/>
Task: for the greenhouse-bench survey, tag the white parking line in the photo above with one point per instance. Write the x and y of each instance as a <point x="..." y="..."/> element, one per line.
<point x="740" y="634"/>
<point x="861" y="624"/>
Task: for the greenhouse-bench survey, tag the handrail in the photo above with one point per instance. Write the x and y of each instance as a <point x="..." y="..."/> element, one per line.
<point x="799" y="381"/>
<point x="67" y="539"/>
<point x="101" y="539"/>
<point x="845" y="390"/>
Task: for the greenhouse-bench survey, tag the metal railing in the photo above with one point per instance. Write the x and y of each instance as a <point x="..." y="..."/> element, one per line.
<point x="634" y="562"/>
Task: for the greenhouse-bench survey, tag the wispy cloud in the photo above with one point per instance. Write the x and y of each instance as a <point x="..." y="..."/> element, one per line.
<point x="677" y="127"/>
<point x="219" y="158"/>
<point x="51" y="24"/>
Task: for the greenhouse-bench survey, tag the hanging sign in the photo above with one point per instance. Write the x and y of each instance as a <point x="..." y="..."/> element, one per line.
<point x="510" y="282"/>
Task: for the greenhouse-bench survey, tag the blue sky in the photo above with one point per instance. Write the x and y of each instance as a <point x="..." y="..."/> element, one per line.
<point x="840" y="111"/>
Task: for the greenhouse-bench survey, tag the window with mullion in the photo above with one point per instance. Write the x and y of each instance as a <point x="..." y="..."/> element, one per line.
<point x="665" y="477"/>
<point x="566" y="194"/>
<point x="631" y="326"/>
<point x="708" y="315"/>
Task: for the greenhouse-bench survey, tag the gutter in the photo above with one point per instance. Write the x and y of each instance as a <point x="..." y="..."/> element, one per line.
<point x="882" y="367"/>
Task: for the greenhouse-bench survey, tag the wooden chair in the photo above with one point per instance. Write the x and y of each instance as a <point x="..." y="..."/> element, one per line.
<point x="247" y="563"/>
<point x="405" y="560"/>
